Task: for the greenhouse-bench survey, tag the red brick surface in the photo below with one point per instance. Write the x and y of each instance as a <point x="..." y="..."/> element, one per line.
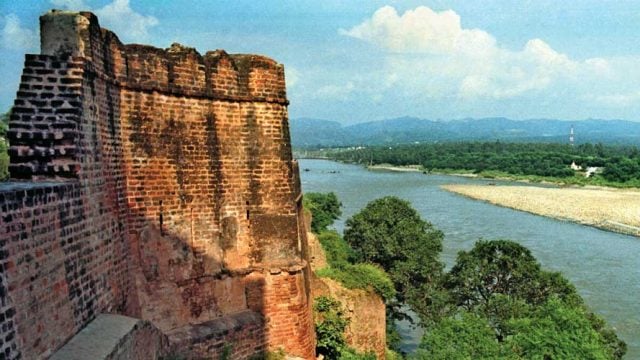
<point x="177" y="199"/>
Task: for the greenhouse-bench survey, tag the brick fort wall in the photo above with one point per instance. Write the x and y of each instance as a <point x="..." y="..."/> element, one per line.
<point x="156" y="183"/>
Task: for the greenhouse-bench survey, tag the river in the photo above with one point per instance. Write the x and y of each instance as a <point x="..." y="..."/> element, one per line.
<point x="604" y="266"/>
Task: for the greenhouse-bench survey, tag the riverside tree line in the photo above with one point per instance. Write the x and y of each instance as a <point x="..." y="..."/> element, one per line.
<point x="620" y="164"/>
<point x="496" y="302"/>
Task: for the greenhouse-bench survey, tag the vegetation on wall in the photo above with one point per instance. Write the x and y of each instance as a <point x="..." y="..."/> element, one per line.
<point x="341" y="260"/>
<point x="330" y="323"/>
<point x="533" y="161"/>
<point x="343" y="266"/>
<point x="4" y="146"/>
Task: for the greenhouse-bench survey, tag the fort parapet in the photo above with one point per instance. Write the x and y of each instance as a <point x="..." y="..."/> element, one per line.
<point x="156" y="184"/>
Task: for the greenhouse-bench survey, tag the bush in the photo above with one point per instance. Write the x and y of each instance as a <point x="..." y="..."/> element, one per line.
<point x="4" y="146"/>
<point x="362" y="276"/>
<point x="325" y="208"/>
<point x="270" y="355"/>
<point x="392" y="355"/>
<point x="330" y="326"/>
<point x="338" y="252"/>
<point x="352" y="276"/>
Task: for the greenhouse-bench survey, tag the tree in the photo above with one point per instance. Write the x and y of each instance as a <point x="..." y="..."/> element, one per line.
<point x="325" y="208"/>
<point x="388" y="229"/>
<point x="507" y="268"/>
<point x="503" y="283"/>
<point x="552" y="330"/>
<point x="467" y="336"/>
<point x="390" y="233"/>
<point x="556" y="330"/>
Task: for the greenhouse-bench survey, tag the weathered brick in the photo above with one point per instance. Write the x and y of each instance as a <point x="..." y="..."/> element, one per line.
<point x="162" y="187"/>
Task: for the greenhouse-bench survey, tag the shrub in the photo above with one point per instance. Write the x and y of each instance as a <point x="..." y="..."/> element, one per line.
<point x="330" y="326"/>
<point x="362" y="276"/>
<point x="338" y="252"/>
<point x="325" y="208"/>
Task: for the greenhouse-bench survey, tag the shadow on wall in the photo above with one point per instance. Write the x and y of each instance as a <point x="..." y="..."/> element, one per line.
<point x="205" y="311"/>
<point x="172" y="202"/>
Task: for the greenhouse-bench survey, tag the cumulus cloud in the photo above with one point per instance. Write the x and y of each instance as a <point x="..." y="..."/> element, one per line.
<point x="122" y="18"/>
<point x="14" y="36"/>
<point x="431" y="53"/>
<point x="421" y="30"/>
<point x="117" y="16"/>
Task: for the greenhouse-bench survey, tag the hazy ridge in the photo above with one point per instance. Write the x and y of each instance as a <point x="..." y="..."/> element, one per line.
<point x="306" y="132"/>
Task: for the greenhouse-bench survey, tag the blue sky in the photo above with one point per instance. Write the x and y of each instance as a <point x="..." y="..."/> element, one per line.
<point x="354" y="61"/>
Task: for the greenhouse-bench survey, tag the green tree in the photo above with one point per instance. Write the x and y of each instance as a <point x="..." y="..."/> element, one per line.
<point x="467" y="336"/>
<point x="339" y="254"/>
<point x="556" y="330"/>
<point x="502" y="282"/>
<point x="503" y="267"/>
<point x="532" y="161"/>
<point x="389" y="232"/>
<point x="325" y="209"/>
<point x="552" y="330"/>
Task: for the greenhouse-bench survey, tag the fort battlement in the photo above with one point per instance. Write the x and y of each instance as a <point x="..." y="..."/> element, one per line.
<point x="153" y="183"/>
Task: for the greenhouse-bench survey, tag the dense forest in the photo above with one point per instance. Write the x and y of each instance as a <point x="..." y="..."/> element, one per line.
<point x="617" y="165"/>
<point x="496" y="302"/>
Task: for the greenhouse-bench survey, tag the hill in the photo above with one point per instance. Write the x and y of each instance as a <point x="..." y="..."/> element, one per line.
<point x="306" y="132"/>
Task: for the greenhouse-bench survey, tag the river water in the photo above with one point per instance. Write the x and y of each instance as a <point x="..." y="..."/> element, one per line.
<point x="604" y="266"/>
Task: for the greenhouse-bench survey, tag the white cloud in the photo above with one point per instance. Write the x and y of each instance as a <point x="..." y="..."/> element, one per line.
<point x="123" y="20"/>
<point x="14" y="36"/>
<point x="617" y="100"/>
<point x="117" y="16"/>
<point x="336" y="91"/>
<point x="430" y="53"/>
<point x="292" y="76"/>
<point x="70" y="4"/>
<point x="421" y="30"/>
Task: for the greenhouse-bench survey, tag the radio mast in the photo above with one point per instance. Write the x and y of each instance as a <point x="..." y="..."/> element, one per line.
<point x="571" y="136"/>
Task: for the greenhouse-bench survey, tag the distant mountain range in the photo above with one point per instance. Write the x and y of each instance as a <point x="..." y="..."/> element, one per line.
<point x="306" y="132"/>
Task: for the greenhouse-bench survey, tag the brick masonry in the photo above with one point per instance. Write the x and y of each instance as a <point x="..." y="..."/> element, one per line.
<point x="153" y="183"/>
<point x="115" y="337"/>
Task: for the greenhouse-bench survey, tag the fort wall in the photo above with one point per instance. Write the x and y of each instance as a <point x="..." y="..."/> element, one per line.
<point x="153" y="183"/>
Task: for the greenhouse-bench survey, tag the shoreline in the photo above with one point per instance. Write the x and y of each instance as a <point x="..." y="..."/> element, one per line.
<point x="389" y="167"/>
<point x="514" y="178"/>
<point x="552" y="203"/>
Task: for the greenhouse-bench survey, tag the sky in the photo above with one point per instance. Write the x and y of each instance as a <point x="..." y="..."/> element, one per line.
<point x="353" y="61"/>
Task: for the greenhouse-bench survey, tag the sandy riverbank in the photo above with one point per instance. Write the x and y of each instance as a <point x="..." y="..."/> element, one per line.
<point x="388" y="167"/>
<point x="610" y="209"/>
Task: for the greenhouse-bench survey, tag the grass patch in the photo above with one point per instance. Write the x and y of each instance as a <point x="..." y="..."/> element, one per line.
<point x="336" y="249"/>
<point x="362" y="276"/>
<point x="353" y="276"/>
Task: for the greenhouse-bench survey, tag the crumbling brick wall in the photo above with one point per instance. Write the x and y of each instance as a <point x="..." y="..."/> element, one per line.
<point x="176" y="169"/>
